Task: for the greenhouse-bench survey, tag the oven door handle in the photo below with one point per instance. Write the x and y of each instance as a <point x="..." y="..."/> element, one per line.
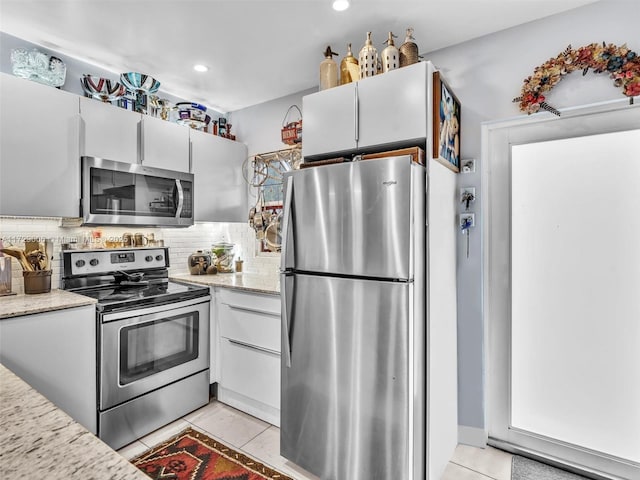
<point x="151" y="310"/>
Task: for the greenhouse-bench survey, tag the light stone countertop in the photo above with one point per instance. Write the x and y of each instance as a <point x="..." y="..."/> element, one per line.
<point x="38" y="440"/>
<point x="21" y="304"/>
<point x="269" y="284"/>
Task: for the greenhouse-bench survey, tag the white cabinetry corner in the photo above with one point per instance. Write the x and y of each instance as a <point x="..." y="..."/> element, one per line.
<point x="108" y="132"/>
<point x="39" y="149"/>
<point x="389" y="110"/>
<point x="55" y="353"/>
<point x="249" y="345"/>
<point x="220" y="191"/>
<point x="164" y="144"/>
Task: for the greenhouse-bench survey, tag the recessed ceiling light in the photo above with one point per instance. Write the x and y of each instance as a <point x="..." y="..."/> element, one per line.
<point x="340" y="5"/>
<point x="200" y="68"/>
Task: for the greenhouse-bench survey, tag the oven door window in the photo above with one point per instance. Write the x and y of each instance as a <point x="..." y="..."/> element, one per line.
<point x="152" y="347"/>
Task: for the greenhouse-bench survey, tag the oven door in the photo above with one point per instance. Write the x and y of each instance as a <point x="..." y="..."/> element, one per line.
<point x="142" y="350"/>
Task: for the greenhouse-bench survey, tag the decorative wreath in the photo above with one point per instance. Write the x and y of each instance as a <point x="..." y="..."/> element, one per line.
<point x="622" y="64"/>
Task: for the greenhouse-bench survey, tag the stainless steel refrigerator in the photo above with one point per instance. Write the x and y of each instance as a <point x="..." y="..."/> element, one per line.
<point x="353" y="320"/>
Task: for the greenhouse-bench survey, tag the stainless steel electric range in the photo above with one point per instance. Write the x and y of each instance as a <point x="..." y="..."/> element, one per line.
<point x="152" y="339"/>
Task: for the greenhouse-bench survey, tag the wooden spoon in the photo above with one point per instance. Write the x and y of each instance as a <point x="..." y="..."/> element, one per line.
<point x="19" y="254"/>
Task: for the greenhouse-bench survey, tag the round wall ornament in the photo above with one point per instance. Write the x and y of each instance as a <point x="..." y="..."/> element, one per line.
<point x="621" y="63"/>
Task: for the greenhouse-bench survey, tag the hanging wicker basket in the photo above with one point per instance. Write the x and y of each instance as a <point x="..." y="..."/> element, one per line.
<point x="291" y="132"/>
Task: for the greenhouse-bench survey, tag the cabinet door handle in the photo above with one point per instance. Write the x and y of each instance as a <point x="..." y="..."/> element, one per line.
<point x="356" y="114"/>
<point x="140" y="142"/>
<point x="252" y="310"/>
<point x="254" y="347"/>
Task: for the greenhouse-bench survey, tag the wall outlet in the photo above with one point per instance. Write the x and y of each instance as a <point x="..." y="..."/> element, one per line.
<point x="468" y="165"/>
<point x="465" y="218"/>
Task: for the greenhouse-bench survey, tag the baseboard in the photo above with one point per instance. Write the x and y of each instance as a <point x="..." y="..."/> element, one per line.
<point x="473" y="436"/>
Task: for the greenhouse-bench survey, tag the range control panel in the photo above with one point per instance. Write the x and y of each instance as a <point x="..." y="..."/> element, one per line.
<point x="104" y="261"/>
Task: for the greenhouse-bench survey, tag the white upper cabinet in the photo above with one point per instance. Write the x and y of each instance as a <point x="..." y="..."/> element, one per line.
<point x="164" y="144"/>
<point x="108" y="131"/>
<point x="39" y="149"/>
<point x="390" y="109"/>
<point x="220" y="191"/>
<point x="329" y="120"/>
<point x="125" y="136"/>
<point x="393" y="107"/>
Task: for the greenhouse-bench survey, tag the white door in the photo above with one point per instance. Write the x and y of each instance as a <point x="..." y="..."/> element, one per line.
<point x="562" y="278"/>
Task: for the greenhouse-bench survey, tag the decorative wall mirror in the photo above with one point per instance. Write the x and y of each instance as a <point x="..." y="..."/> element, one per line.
<point x="264" y="172"/>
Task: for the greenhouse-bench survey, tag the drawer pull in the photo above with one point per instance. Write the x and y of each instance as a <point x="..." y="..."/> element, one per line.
<point x="252" y="310"/>
<point x="253" y="347"/>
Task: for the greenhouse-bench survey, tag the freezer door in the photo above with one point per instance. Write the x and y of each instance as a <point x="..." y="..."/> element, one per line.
<point x="352" y="379"/>
<point x="354" y="218"/>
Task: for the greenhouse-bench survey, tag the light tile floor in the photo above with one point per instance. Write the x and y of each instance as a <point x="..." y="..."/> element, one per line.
<point x="260" y="440"/>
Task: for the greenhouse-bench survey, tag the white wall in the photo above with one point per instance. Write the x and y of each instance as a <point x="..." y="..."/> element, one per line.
<point x="182" y="242"/>
<point x="259" y="126"/>
<point x="486" y="74"/>
<point x="75" y="69"/>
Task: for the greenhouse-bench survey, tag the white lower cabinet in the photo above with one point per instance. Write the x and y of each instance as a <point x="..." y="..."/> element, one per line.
<point x="55" y="353"/>
<point x="249" y="352"/>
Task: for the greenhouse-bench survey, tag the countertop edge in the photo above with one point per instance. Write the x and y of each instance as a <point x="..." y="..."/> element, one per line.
<point x="262" y="284"/>
<point x="23" y="304"/>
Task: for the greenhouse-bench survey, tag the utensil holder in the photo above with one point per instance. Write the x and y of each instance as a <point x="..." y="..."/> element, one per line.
<point x="37" y="282"/>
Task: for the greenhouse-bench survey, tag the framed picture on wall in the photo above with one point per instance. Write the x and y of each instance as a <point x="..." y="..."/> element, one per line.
<point x="446" y="124"/>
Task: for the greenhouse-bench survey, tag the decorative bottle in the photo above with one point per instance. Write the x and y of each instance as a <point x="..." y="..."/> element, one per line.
<point x="390" y="56"/>
<point x="368" y="59"/>
<point x="328" y="70"/>
<point x="349" y="68"/>
<point x="408" y="50"/>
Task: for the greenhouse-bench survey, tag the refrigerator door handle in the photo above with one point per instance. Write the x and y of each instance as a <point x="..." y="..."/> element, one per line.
<point x="286" y="284"/>
<point x="285" y="245"/>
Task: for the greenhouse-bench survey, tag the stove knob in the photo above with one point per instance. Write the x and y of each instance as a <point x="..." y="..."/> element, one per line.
<point x="93" y="262"/>
<point x="80" y="263"/>
<point x="148" y="258"/>
<point x="159" y="258"/>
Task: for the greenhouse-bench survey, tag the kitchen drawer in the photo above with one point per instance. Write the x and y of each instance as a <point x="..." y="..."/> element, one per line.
<point x="254" y="301"/>
<point x="251" y="326"/>
<point x="251" y="372"/>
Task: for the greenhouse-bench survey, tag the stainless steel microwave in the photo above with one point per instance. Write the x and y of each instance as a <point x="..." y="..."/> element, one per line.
<point x="118" y="193"/>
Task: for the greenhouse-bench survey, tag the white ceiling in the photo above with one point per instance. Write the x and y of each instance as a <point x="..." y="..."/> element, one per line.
<point x="256" y="50"/>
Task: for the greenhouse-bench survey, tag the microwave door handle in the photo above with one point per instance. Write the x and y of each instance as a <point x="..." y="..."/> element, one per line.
<point x="180" y="198"/>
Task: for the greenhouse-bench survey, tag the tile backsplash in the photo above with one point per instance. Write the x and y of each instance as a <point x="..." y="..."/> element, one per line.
<point x="181" y="242"/>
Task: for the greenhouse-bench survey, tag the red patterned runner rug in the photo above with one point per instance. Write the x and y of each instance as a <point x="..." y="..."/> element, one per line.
<point x="192" y="455"/>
